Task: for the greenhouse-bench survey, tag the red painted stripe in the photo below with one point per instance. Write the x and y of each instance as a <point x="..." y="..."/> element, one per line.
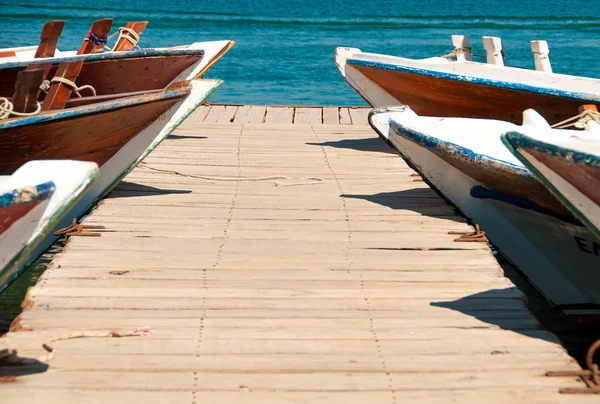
<point x="11" y="214"/>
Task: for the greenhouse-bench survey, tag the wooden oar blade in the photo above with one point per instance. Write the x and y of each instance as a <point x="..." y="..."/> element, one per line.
<point x="95" y="39"/>
<point x="51" y="31"/>
<point x="27" y="90"/>
<point x="127" y="40"/>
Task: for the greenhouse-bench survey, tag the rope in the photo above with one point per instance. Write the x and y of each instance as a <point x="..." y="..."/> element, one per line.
<point x="140" y="332"/>
<point x="456" y="52"/>
<point x="124" y="33"/>
<point x="579" y="121"/>
<point x="7" y="109"/>
<point x="45" y="86"/>
<point x="72" y="85"/>
<point x="311" y="180"/>
<point x="95" y="40"/>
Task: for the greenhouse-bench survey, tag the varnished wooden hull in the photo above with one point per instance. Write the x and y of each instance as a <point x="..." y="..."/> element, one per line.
<point x="435" y="96"/>
<point x="117" y="75"/>
<point x="94" y="137"/>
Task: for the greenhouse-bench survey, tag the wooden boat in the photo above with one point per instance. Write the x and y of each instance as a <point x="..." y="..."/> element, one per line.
<point x="115" y="134"/>
<point x="32" y="201"/>
<point x="466" y="162"/>
<point x="462" y="88"/>
<point x="109" y="73"/>
<point x="569" y="166"/>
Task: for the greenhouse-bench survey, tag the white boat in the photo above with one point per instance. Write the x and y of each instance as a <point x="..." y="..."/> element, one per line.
<point x="465" y="161"/>
<point x="32" y="201"/>
<point x="463" y="88"/>
<point x="569" y="166"/>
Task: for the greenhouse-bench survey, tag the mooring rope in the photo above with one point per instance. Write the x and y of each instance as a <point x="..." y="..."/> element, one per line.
<point x="309" y="180"/>
<point x="51" y="351"/>
<point x="456" y="52"/>
<point x="71" y="84"/>
<point x="7" y="109"/>
<point x="124" y="33"/>
<point x="579" y="120"/>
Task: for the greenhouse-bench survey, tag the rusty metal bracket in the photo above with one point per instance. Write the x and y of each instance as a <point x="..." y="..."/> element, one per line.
<point x="590" y="376"/>
<point x="476" y="236"/>
<point x="77" y="229"/>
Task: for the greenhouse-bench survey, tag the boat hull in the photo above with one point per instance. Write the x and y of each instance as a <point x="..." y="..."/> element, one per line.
<point x="430" y="94"/>
<point x="545" y="248"/>
<point x="572" y="174"/>
<point x="116" y="75"/>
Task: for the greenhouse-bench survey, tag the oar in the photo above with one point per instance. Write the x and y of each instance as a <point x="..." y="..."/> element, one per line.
<point x="95" y="40"/>
<point x="67" y="72"/>
<point x="129" y="35"/>
<point x="47" y="47"/>
<point x="51" y="31"/>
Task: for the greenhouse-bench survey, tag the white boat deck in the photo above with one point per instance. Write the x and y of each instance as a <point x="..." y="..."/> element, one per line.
<point x="345" y="291"/>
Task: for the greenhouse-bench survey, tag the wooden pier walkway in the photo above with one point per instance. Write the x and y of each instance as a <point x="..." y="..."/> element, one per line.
<point x="348" y="290"/>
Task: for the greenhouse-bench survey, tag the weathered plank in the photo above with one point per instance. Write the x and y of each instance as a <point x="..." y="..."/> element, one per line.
<point x="331" y="115"/>
<point x="345" y="118"/>
<point x="279" y="115"/>
<point x="359" y="115"/>
<point x="308" y="116"/>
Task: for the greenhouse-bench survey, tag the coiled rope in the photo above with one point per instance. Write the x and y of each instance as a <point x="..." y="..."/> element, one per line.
<point x="46" y="84"/>
<point x="308" y="180"/>
<point x="580" y="120"/>
<point x="124" y="33"/>
<point x="7" y="109"/>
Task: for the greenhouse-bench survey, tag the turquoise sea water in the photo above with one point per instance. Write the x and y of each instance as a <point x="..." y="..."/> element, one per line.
<point x="284" y="51"/>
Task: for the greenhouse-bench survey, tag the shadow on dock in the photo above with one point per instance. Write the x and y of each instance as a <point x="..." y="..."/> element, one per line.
<point x="13" y="366"/>
<point x="131" y="189"/>
<point x="185" y="137"/>
<point x="419" y="200"/>
<point x="367" y="144"/>
<point x="501" y="308"/>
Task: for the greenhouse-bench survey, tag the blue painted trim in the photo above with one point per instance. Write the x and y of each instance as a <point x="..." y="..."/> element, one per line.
<point x="458" y="152"/>
<point x="92" y="57"/>
<point x="93" y="108"/>
<point x="521" y="141"/>
<point x="36" y="193"/>
<point x="477" y="80"/>
<point x="481" y="192"/>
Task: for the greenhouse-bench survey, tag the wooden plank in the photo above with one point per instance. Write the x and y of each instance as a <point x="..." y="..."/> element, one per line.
<point x="241" y="115"/>
<point x="345" y="118"/>
<point x="221" y="114"/>
<point x="308" y="116"/>
<point x="279" y="115"/>
<point x="359" y="116"/>
<point x="256" y="114"/>
<point x="331" y="115"/>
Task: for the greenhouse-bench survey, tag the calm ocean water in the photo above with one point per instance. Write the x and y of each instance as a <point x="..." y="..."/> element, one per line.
<point x="284" y="51"/>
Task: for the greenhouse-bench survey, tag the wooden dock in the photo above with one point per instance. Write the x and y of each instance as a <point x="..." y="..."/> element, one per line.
<point x="348" y="289"/>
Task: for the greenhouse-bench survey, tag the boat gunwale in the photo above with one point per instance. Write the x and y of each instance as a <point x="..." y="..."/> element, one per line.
<point x="93" y="57"/>
<point x="118" y="103"/>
